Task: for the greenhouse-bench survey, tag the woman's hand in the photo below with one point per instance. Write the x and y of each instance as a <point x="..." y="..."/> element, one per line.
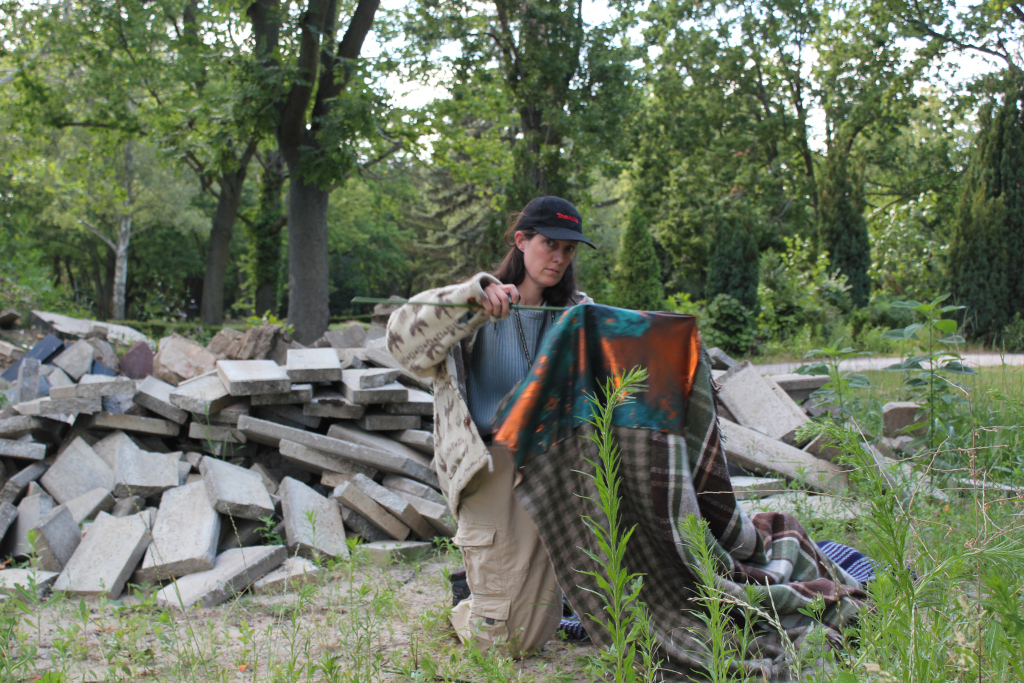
<point x="498" y="299"/>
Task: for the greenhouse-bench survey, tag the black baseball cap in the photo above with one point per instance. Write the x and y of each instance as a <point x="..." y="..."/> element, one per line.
<point x="555" y="218"/>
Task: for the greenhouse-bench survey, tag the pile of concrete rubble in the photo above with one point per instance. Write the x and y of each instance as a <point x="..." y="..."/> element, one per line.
<point x="173" y="468"/>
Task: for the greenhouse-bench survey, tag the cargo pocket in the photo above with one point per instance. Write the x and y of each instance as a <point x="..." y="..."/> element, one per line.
<point x="489" y="619"/>
<point x="484" y="566"/>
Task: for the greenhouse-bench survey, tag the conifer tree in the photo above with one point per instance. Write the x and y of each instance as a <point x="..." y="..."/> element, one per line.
<point x="734" y="264"/>
<point x="842" y="228"/>
<point x="637" y="277"/>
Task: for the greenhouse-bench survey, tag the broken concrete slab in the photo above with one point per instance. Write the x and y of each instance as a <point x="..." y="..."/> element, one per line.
<point x="139" y="473"/>
<point x="44" y="351"/>
<point x="236" y="532"/>
<point x="312" y="523"/>
<point x="756" y="452"/>
<point x="57" y="378"/>
<point x="351" y="336"/>
<point x="30" y="512"/>
<point x="720" y="360"/>
<point x="349" y="495"/>
<point x="213" y="432"/>
<point x="134" y="423"/>
<point x="398" y="483"/>
<point x="396" y="505"/>
<point x="271" y="434"/>
<point x="95" y="386"/>
<point x="57" y="537"/>
<point x="106" y="557"/>
<point x="109" y="446"/>
<point x="90" y="504"/>
<point x="14" y="486"/>
<point x="384" y="553"/>
<point x="10" y="353"/>
<point x="389" y="393"/>
<point x="15" y="580"/>
<point x="818" y="448"/>
<point x="381" y="422"/>
<point x="269" y="480"/>
<point x="800" y="387"/>
<point x="248" y="377"/>
<point x="232" y="573"/>
<point x="293" y="416"/>
<point x="137" y="363"/>
<point x="293" y="573"/>
<point x="329" y="403"/>
<point x="419" y="403"/>
<point x="353" y="434"/>
<point x="76" y="360"/>
<point x="358" y="526"/>
<point x="747" y="488"/>
<point x="155" y="394"/>
<point x="76" y="471"/>
<point x="235" y="490"/>
<point x="60" y="406"/>
<point x="77" y="327"/>
<point x="258" y="342"/>
<point x="370" y="378"/>
<point x="898" y="415"/>
<point x="132" y="505"/>
<point x="436" y="515"/>
<point x="759" y="404"/>
<point x="8" y="513"/>
<point x="185" y="535"/>
<point x="895" y="447"/>
<point x="29" y="381"/>
<point x="203" y="395"/>
<point x="26" y="425"/>
<point x="22" y="450"/>
<point x="179" y="359"/>
<point x="225" y="343"/>
<point x="420" y="439"/>
<point x="313" y="365"/>
<point x="225" y="416"/>
<point x="105" y="353"/>
<point x="299" y="394"/>
<point x="313" y="460"/>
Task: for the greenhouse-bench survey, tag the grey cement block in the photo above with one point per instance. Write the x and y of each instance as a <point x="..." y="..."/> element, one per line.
<point x="106" y="557"/>
<point x="236" y="532"/>
<point x="438" y="516"/>
<point x="232" y="573"/>
<point x="312" y="522"/>
<point x="313" y="365"/>
<point x="370" y="378"/>
<point x="185" y="535"/>
<point x="352" y="433"/>
<point x="29" y="380"/>
<point x="271" y="434"/>
<point x="203" y="395"/>
<point x="289" y="415"/>
<point x="125" y="507"/>
<point x="382" y="421"/>
<point x="299" y="394"/>
<point x="415" y="488"/>
<point x="760" y="404"/>
<point x="134" y="423"/>
<point x="313" y="460"/>
<point x="389" y="552"/>
<point x="109" y="446"/>
<point x="90" y="504"/>
<point x="293" y="573"/>
<point x="57" y="538"/>
<point x="24" y="425"/>
<point x="213" y="432"/>
<point x="31" y="511"/>
<point x="420" y="439"/>
<point x="419" y="403"/>
<point x="14" y="486"/>
<point x="139" y="473"/>
<point x="898" y="415"/>
<point x="155" y="394"/>
<point x="349" y="495"/>
<point x="360" y="526"/>
<point x="95" y="386"/>
<point x="76" y="471"/>
<point x="76" y="360"/>
<point x="248" y="377"/>
<point x="389" y="393"/>
<point x="15" y="580"/>
<point x="235" y="490"/>
<point x="58" y="378"/>
<point x="720" y="360"/>
<point x="269" y="480"/>
<point x="800" y="387"/>
<point x="754" y="451"/>
<point x="60" y="406"/>
<point x="396" y="505"/>
<point x="8" y="513"/>
<point x="225" y="416"/>
<point x="747" y="488"/>
<point x="22" y="450"/>
<point x="184" y="469"/>
<point x="334" y="410"/>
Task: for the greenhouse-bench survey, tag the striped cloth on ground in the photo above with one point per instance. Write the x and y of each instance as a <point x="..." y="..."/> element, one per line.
<point x="855" y="563"/>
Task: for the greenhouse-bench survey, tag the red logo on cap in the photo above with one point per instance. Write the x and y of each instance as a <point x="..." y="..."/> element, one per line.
<point x="568" y="218"/>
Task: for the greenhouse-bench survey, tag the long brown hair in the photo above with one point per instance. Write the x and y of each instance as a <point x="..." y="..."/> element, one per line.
<point x="512" y="268"/>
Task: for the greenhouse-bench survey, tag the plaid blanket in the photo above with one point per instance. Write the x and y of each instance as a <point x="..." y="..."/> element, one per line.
<point x="672" y="465"/>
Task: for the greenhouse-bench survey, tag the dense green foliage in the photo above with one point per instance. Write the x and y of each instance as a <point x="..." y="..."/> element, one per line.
<point x="637" y="274"/>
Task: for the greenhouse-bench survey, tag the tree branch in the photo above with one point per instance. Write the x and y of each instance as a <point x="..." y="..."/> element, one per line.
<point x="293" y="115"/>
<point x="106" y="240"/>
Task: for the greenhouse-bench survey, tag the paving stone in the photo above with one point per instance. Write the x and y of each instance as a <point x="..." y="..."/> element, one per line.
<point x="312" y="522"/>
<point x="288" y="415"/>
<point x="34" y="489"/>
<point x="389" y="552"/>
<point x="898" y="415"/>
<point x="360" y="527"/>
<point x="720" y="360"/>
<point x="225" y="342"/>
<point x="329" y="403"/>
<point x="193" y="458"/>
<point x="179" y="359"/>
<point x="800" y="387"/>
<point x="76" y="471"/>
<point x="313" y="365"/>
<point x="139" y="473"/>
<point x="420" y="439"/>
<point x="350" y="336"/>
<point x="131" y="505"/>
<point x="109" y="446"/>
<point x="353" y="434"/>
<point x="134" y="423"/>
<point x="235" y="490"/>
<point x="379" y="356"/>
<point x="436" y="515"/>
<point x="248" y="377"/>
<point x="76" y="360"/>
<point x="14" y="580"/>
<point x="221" y="433"/>
<point x="389" y="393"/>
<point x="380" y="421"/>
<point x="746" y="488"/>
<point x="312" y="460"/>
<point x="271" y="434"/>
<point x="95" y="386"/>
<point x="293" y="573"/>
<point x="419" y="403"/>
<point x="137" y="363"/>
<point x="60" y="406"/>
<point x="57" y="538"/>
<point x="58" y="378"/>
<point x="44" y="351"/>
<point x="122" y="404"/>
<point x="155" y="394"/>
<point x="106" y="557"/>
<point x="8" y="513"/>
<point x="805" y="507"/>
<point x="29" y="380"/>
<point x="203" y="395"/>
<point x="22" y="450"/>
<point x="269" y="480"/>
<point x="299" y="394"/>
<point x="9" y="352"/>
<point x="30" y="512"/>
<point x="226" y="416"/>
<point x="232" y="573"/>
<point x="398" y="483"/>
<point x="258" y="342"/>
<point x="757" y="452"/>
<point x="99" y="368"/>
<point x="25" y="425"/>
<point x="759" y="404"/>
<point x="236" y="532"/>
<point x="90" y="504"/>
<point x="14" y="486"/>
<point x="349" y="495"/>
<point x="370" y="378"/>
<point x="185" y="535"/>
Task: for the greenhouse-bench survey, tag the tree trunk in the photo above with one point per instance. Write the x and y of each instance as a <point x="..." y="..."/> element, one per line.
<point x="308" y="265"/>
<point x="212" y="307"/>
<point x="265" y="238"/>
<point x="124" y="238"/>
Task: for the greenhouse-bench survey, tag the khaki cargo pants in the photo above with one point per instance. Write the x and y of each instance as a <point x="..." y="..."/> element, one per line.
<point x="516" y="603"/>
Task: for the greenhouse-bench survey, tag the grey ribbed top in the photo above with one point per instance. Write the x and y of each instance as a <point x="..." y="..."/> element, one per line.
<point x="498" y="365"/>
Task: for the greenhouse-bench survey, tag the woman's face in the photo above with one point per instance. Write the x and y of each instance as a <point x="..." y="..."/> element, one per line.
<point x="545" y="259"/>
